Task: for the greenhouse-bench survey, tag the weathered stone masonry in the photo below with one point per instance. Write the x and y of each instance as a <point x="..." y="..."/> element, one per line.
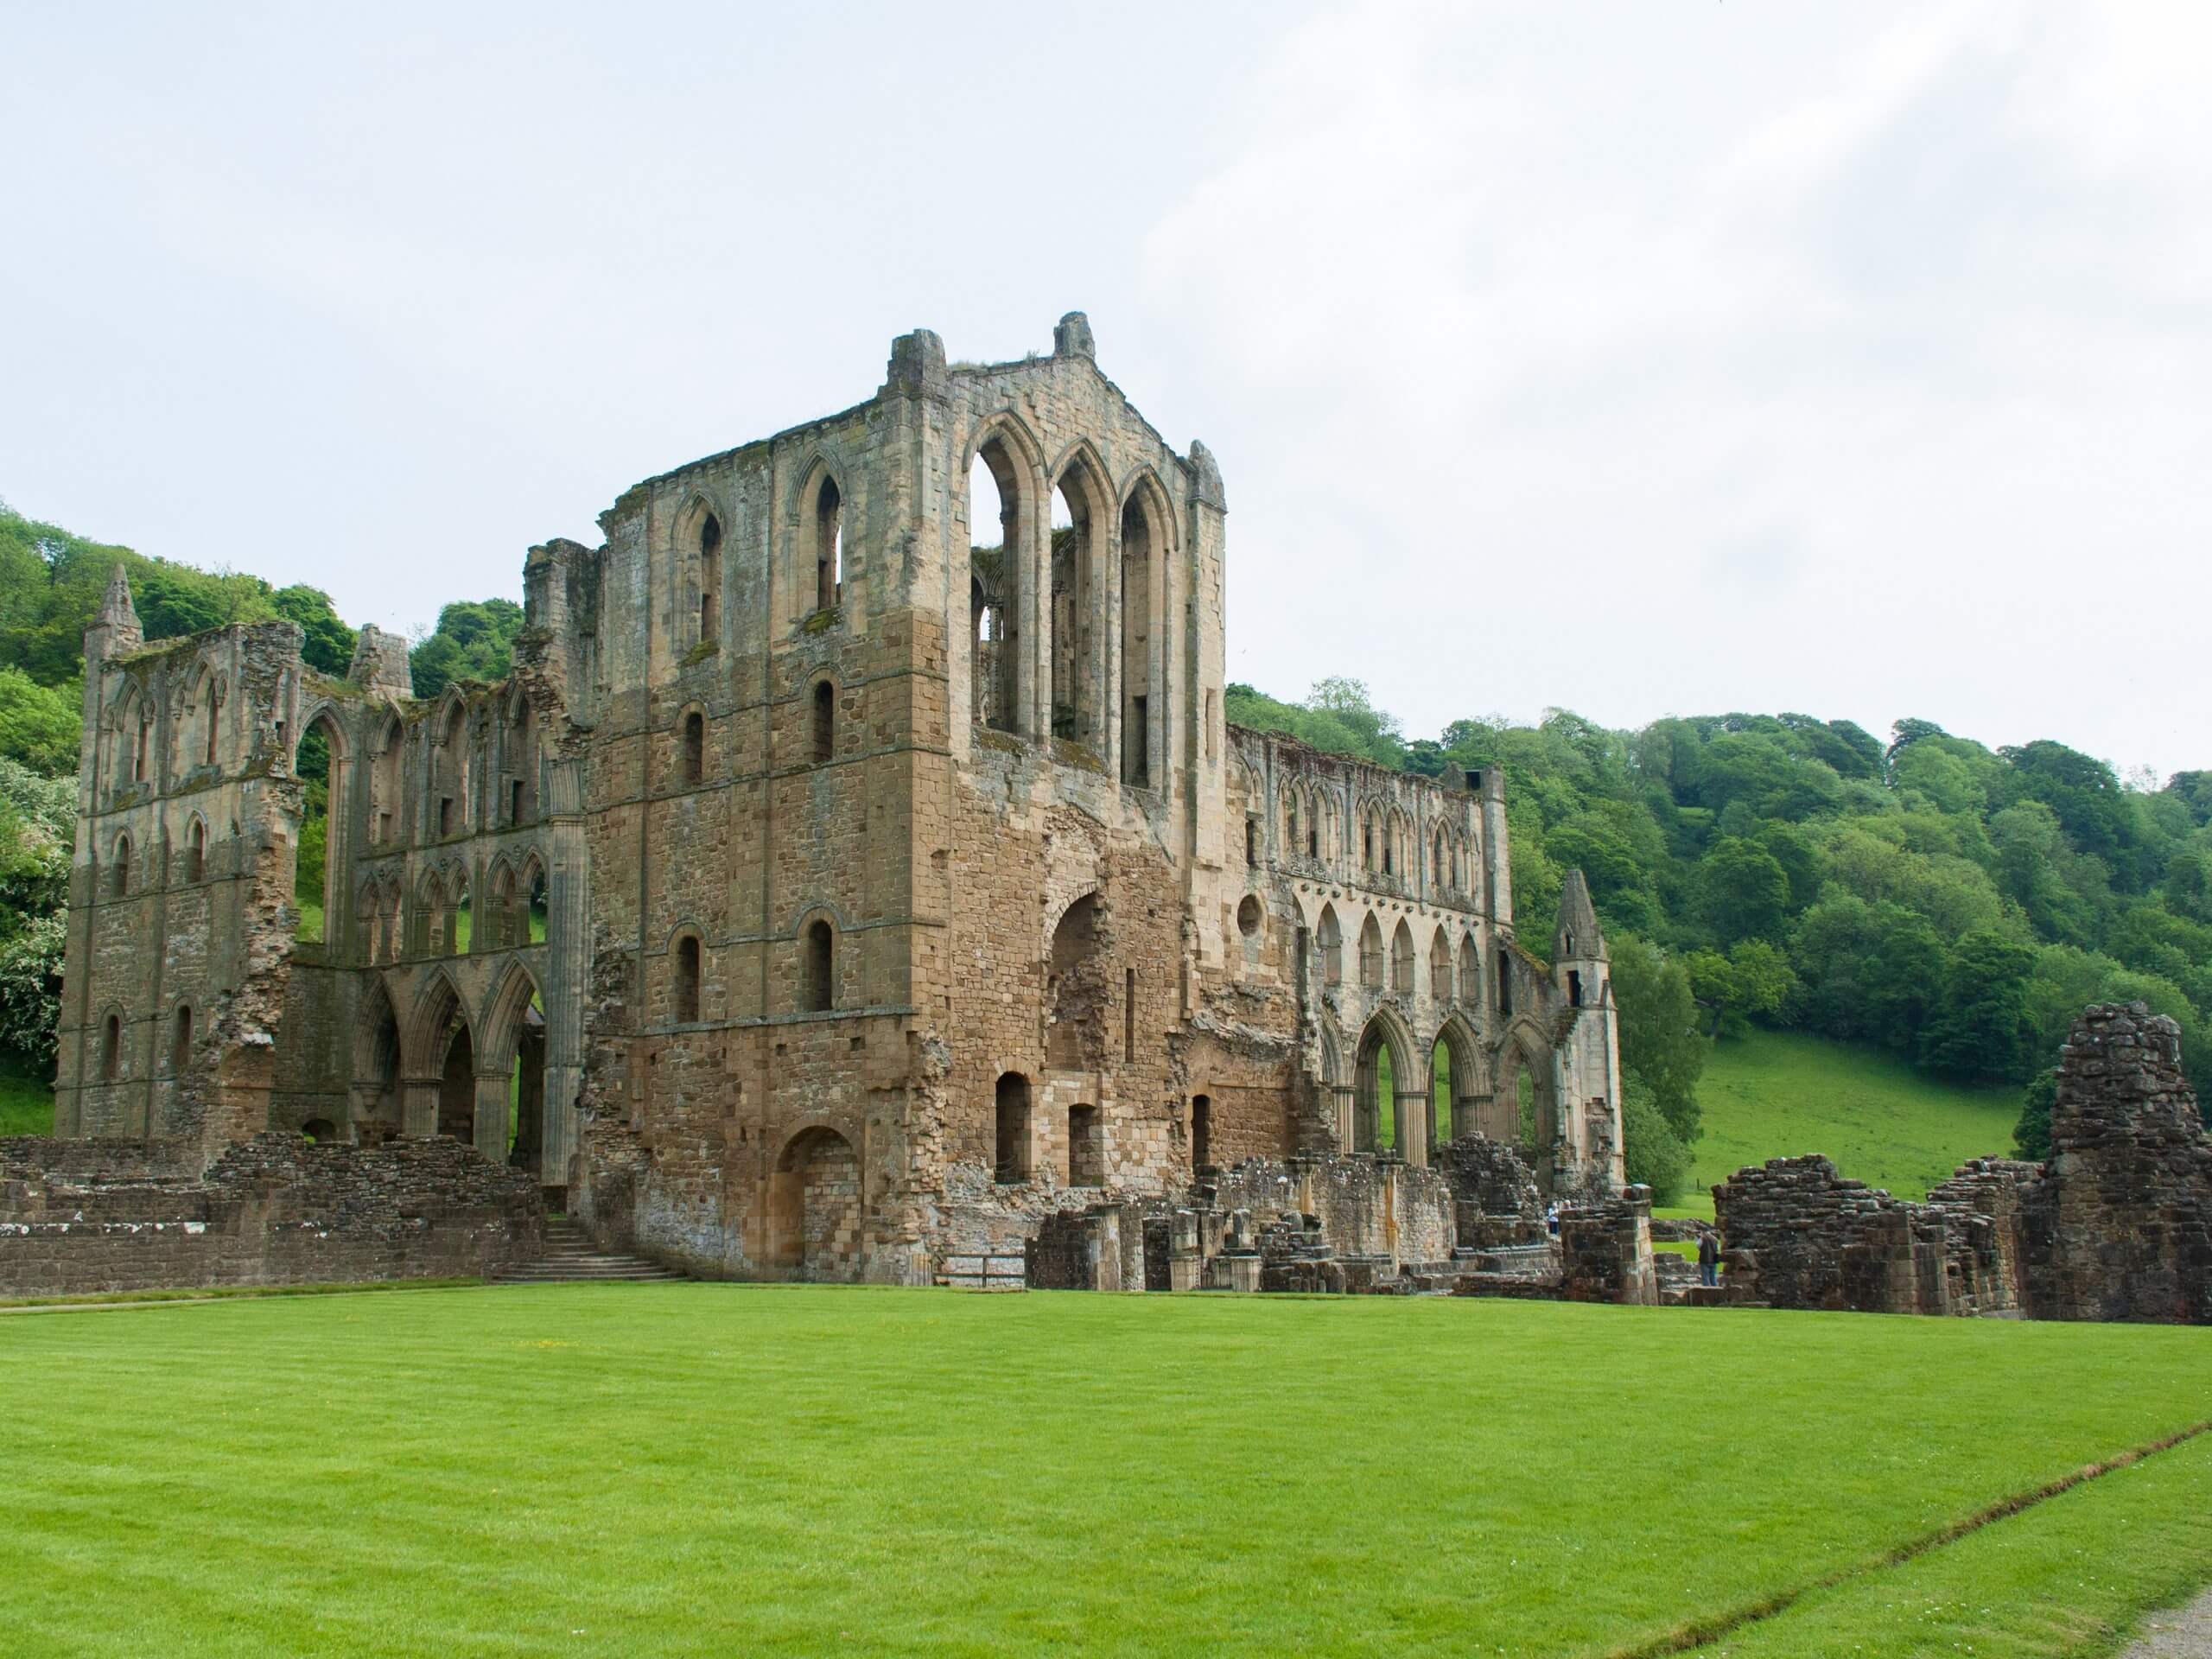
<point x="840" y="893"/>
<point x="2116" y="1225"/>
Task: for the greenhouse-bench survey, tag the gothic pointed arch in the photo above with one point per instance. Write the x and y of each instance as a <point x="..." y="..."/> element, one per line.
<point x="1081" y="485"/>
<point x="438" y="1009"/>
<point x="1401" y="959"/>
<point x="1001" y="576"/>
<point x="1384" y="1064"/>
<point x="506" y="1012"/>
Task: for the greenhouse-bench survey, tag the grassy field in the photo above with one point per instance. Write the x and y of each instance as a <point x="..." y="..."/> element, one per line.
<point x="26" y="1104"/>
<point x="1775" y="1093"/>
<point x="696" y="1470"/>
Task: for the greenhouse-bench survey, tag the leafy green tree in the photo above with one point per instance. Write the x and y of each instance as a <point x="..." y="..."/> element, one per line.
<point x="329" y="646"/>
<point x="1747" y="890"/>
<point x="2032" y="1135"/>
<point x="1661" y="1049"/>
<point x="1655" y="1154"/>
<point x="1980" y="1030"/>
<point x="474" y="641"/>
<point x="30" y="991"/>
<point x="40" y="724"/>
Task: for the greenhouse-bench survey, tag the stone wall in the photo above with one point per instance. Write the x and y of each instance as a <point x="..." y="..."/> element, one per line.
<point x="2120" y="1227"/>
<point x="1606" y="1250"/>
<point x="91" y="1216"/>
<point x="2116" y="1225"/>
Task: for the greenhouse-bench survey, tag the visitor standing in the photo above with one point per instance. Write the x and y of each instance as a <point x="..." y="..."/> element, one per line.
<point x="1708" y="1256"/>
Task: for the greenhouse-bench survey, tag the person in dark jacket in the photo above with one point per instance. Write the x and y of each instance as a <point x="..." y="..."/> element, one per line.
<point x="1708" y="1257"/>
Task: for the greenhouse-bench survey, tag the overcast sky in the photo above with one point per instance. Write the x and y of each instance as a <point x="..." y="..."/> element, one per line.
<point x="1639" y="359"/>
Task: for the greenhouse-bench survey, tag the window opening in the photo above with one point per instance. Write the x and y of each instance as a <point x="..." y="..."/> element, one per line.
<point x="995" y="541"/>
<point x="1011" y="1163"/>
<point x="180" y="1039"/>
<point x="1135" y="678"/>
<point x="687" y="980"/>
<point x="819" y="990"/>
<point x="1504" y="982"/>
<point x="829" y="546"/>
<point x="1128" y="1013"/>
<point x="111" y="1049"/>
<point x="825" y="720"/>
<point x="1573" y="989"/>
<point x="122" y="887"/>
<point x="710" y="579"/>
<point x="695" y="747"/>
<point x="1201" y="1132"/>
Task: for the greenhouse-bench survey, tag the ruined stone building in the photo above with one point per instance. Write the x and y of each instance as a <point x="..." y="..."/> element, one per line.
<point x="841" y="880"/>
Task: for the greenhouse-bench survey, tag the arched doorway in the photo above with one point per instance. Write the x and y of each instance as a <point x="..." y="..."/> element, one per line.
<point x="514" y="1050"/>
<point x="1378" y="1096"/>
<point x="815" y="1208"/>
<point x="1076" y="992"/>
<point x="1527" y="1104"/>
<point x="457" y="1083"/>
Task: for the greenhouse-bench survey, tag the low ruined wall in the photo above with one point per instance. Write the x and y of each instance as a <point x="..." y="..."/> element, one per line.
<point x="2117" y="1225"/>
<point x="1366" y="1207"/>
<point x="86" y="1217"/>
<point x="1606" y="1251"/>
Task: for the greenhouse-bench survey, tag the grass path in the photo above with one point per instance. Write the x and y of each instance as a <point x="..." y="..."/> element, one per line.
<point x="703" y="1469"/>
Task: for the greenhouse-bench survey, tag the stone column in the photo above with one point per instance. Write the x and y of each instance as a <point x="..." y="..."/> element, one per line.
<point x="1412" y="1112"/>
<point x="493" y="1108"/>
<point x="568" y="944"/>
<point x="419" y="1111"/>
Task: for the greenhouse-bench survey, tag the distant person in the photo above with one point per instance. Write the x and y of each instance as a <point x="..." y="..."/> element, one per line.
<point x="1708" y="1257"/>
<point x="1551" y="1220"/>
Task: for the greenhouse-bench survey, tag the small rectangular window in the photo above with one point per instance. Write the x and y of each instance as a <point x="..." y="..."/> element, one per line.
<point x="1129" y="1014"/>
<point x="1138" y="741"/>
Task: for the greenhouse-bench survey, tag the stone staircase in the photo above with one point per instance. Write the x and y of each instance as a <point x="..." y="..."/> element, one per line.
<point x="571" y="1258"/>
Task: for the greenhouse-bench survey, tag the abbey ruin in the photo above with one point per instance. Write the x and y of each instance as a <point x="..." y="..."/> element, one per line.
<point x="841" y="886"/>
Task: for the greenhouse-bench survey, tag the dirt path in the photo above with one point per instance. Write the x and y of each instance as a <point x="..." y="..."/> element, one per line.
<point x="2178" y="1633"/>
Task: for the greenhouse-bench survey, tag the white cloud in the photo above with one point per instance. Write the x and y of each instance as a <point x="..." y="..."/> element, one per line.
<point x="1717" y="359"/>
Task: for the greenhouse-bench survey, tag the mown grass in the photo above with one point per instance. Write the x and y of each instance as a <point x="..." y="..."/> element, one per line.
<point x="704" y="1469"/>
<point x="1778" y="1094"/>
<point x="26" y="1104"/>
<point x="2070" y="1577"/>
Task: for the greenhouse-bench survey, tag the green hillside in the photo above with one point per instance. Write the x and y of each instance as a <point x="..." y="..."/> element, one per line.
<point x="1775" y="1093"/>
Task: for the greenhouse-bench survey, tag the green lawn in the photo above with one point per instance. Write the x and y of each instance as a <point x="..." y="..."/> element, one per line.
<point x="709" y="1470"/>
<point x="26" y="1104"/>
<point x="1777" y="1094"/>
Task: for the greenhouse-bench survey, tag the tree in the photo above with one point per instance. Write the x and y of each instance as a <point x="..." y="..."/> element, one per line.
<point x="1655" y="1154"/>
<point x="1753" y="980"/>
<point x="40" y="724"/>
<point x="1662" y="1050"/>
<point x="473" y="640"/>
<point x="2032" y="1135"/>
<point x="1747" y="890"/>
<point x="329" y="646"/>
<point x="1980" y="1031"/>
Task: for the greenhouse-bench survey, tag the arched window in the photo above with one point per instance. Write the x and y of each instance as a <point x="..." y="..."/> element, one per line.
<point x="121" y="886"/>
<point x="195" y="851"/>
<point x="1291" y="839"/>
<point x="695" y="747"/>
<point x="1011" y="1163"/>
<point x="1080" y="503"/>
<point x="710" y="579"/>
<point x="1505" y="981"/>
<point x="685" y="1002"/>
<point x="1370" y="956"/>
<point x="829" y="545"/>
<point x="1439" y="967"/>
<point x="214" y="721"/>
<point x="1471" y="972"/>
<point x="1401" y="961"/>
<point x="1437" y="867"/>
<point x="180" y="1039"/>
<point x="825" y="720"/>
<point x="383" y="784"/>
<point x="1367" y="843"/>
<point x="818" y="971"/>
<point x="1330" y="939"/>
<point x="452" y="772"/>
<point x="995" y="579"/>
<point x="111" y="1049"/>
<point x="1141" y="555"/>
<point x="1251" y="840"/>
